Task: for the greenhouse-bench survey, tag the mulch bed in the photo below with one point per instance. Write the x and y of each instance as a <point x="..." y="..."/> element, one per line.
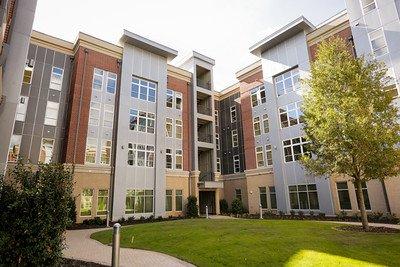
<point x="79" y="263"/>
<point x="372" y="229"/>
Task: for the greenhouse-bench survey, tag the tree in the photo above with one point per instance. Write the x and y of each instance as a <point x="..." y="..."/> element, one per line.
<point x="34" y="211"/>
<point x="192" y="210"/>
<point x="349" y="119"/>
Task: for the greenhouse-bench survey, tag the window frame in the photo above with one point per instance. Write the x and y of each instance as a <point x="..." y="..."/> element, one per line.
<point x="260" y="153"/>
<point x="302" y="144"/>
<point x="169" y="121"/>
<point x="233" y="114"/>
<point x="178" y="129"/>
<point x="15" y="143"/>
<point x="53" y="81"/>
<point x="46" y="160"/>
<point x="343" y="190"/>
<point x="256" y="126"/>
<point x="383" y="36"/>
<point x="49" y="120"/>
<point x="95" y="146"/>
<point x="238" y="195"/>
<point x="22" y="108"/>
<point x="235" y="138"/>
<point x="144" y="88"/>
<point x="236" y="163"/>
<point x="91" y="202"/>
<point x="106" y="197"/>
<point x="169" y="153"/>
<point x="281" y="79"/>
<point x="178" y="155"/>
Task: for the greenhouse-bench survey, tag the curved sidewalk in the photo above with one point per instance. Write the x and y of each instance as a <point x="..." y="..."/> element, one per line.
<point x="81" y="247"/>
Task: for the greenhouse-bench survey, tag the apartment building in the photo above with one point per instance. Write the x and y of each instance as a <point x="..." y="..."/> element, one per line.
<point x="142" y="135"/>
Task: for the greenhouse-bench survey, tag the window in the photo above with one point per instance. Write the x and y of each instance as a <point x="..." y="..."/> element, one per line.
<point x="268" y="155"/>
<point x="143" y="90"/>
<point x="178" y="200"/>
<point x="344" y="197"/>
<point x="378" y="42"/>
<point x="56" y="78"/>
<point x="291" y="114"/>
<point x="217" y="141"/>
<point x="138" y="201"/>
<point x="235" y="139"/>
<point x="111" y="82"/>
<point x="168" y="200"/>
<point x="98" y="80"/>
<point x="287" y="82"/>
<point x="108" y="119"/>
<point x="295" y="148"/>
<point x="178" y="159"/>
<point x="86" y="202"/>
<point x="256" y="126"/>
<point x="170" y="98"/>
<point x="233" y="114"/>
<point x="28" y="72"/>
<point x="216" y="116"/>
<point x="265" y="123"/>
<point x="168" y="158"/>
<point x="178" y="101"/>
<point x="303" y="197"/>
<point x="218" y="165"/>
<point x="368" y="5"/>
<point x="168" y="127"/>
<point x="102" y="202"/>
<point x="260" y="156"/>
<point x="105" y="152"/>
<point x="141" y="121"/>
<point x="272" y="197"/>
<point x="46" y="150"/>
<point x="258" y="96"/>
<point x="51" y="113"/>
<point x="94" y="113"/>
<point x="141" y="155"/>
<point x="236" y="164"/>
<point x="21" y="108"/>
<point x="91" y="150"/>
<point x="178" y="129"/>
<point x="14" y="148"/>
<point x="263" y="197"/>
<point x="366" y="197"/>
<point x="238" y="194"/>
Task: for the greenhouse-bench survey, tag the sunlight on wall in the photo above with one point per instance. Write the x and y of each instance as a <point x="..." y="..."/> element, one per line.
<point x="314" y="258"/>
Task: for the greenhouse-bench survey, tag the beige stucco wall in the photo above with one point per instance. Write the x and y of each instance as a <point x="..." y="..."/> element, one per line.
<point x="253" y="184"/>
<point x="95" y="178"/>
<point x="230" y="184"/>
<point x="393" y="191"/>
<point x="177" y="182"/>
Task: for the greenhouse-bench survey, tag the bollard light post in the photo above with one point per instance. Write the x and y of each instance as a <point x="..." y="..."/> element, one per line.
<point x="115" y="245"/>
<point x="261" y="215"/>
<point x="207" y="212"/>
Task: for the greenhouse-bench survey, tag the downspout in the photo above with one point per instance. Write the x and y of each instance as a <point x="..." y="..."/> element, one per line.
<point x="80" y="104"/>
<point x="114" y="143"/>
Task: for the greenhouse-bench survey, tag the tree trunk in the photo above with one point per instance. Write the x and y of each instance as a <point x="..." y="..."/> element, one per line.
<point x="360" y="198"/>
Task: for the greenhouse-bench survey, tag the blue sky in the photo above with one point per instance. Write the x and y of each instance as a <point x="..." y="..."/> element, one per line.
<point x="221" y="29"/>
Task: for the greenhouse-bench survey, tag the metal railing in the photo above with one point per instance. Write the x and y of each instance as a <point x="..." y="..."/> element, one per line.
<point x="204" y="110"/>
<point x="203" y="84"/>
<point x="206" y="138"/>
<point x="206" y="176"/>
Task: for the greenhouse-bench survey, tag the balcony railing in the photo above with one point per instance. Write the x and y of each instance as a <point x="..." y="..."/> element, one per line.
<point x="206" y="176"/>
<point x="204" y="110"/>
<point x="206" y="138"/>
<point x="203" y="84"/>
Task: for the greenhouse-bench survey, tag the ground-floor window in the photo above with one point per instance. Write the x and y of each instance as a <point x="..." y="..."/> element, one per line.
<point x="168" y="200"/>
<point x="366" y="197"/>
<point x="238" y="194"/>
<point x="272" y="196"/>
<point x="263" y="197"/>
<point x="303" y="197"/>
<point x="344" y="197"/>
<point x="86" y="202"/>
<point x="178" y="200"/>
<point x="102" y="202"/>
<point x="139" y="201"/>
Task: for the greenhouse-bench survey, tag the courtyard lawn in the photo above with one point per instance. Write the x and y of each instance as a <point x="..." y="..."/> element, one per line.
<point x="260" y="242"/>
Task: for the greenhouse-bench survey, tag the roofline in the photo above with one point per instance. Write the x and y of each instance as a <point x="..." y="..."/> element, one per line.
<point x="148" y="45"/>
<point x="228" y="91"/>
<point x="194" y="54"/>
<point x="97" y="44"/>
<point x="241" y="74"/>
<point x="52" y="42"/>
<point x="287" y="31"/>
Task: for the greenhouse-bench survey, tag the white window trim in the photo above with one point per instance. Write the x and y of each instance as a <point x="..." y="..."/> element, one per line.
<point x="233" y="110"/>
<point x="172" y="127"/>
<point x="233" y="134"/>
<point x="262" y="156"/>
<point x="291" y="147"/>
<point x="177" y="155"/>
<point x="384" y="38"/>
<point x="363" y="7"/>
<point x="297" y="110"/>
<point x="234" y="161"/>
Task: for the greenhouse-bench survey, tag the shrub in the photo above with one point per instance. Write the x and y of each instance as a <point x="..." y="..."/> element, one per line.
<point x="95" y="221"/>
<point x="292" y="213"/>
<point x="342" y="215"/>
<point x="237" y="206"/>
<point x="223" y="206"/>
<point x="281" y="213"/>
<point x="321" y="215"/>
<point x="192" y="210"/>
<point x="35" y="212"/>
<point x="312" y="213"/>
<point x="131" y="219"/>
<point x="301" y="214"/>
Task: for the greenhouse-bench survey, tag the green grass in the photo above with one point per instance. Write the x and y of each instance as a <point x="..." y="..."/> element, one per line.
<point x="260" y="242"/>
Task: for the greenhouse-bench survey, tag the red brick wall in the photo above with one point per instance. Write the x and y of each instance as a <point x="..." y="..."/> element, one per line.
<point x="344" y="34"/>
<point x="247" y="117"/>
<point x="82" y="75"/>
<point x="183" y="87"/>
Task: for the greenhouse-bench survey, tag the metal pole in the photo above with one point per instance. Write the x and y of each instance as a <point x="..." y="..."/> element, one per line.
<point x="115" y="245"/>
<point x="207" y="212"/>
<point x="261" y="215"/>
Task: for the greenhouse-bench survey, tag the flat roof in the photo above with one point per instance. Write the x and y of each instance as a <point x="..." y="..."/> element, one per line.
<point x="148" y="45"/>
<point x="289" y="30"/>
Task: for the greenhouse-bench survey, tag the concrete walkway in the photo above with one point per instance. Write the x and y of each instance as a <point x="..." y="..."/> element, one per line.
<point x="81" y="247"/>
<point x="394" y="226"/>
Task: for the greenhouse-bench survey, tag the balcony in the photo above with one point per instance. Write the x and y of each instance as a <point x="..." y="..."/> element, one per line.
<point x="206" y="176"/>
<point x="206" y="138"/>
<point x="204" y="110"/>
<point x="203" y="77"/>
<point x="204" y="84"/>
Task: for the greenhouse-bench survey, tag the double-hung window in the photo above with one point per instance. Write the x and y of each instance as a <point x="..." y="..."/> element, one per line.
<point x="102" y="202"/>
<point x="272" y="197"/>
<point x="344" y="197"/>
<point x="108" y="118"/>
<point x="287" y="82"/>
<point x="260" y="157"/>
<point x="256" y="126"/>
<point x="94" y="113"/>
<point x="51" y="113"/>
<point x="368" y="5"/>
<point x="170" y="98"/>
<point x="263" y="197"/>
<point x="168" y="200"/>
<point x="178" y="159"/>
<point x="238" y="194"/>
<point x="178" y="129"/>
<point x="56" y="78"/>
<point x="98" y="80"/>
<point x="86" y="202"/>
<point x="258" y="96"/>
<point x="178" y="200"/>
<point x="268" y="155"/>
<point x="216" y="115"/>
<point x="91" y="150"/>
<point x="217" y="142"/>
<point x="265" y="123"/>
<point x="111" y="82"/>
<point x="46" y="150"/>
<point x="236" y="164"/>
<point x="235" y="138"/>
<point x="233" y="114"/>
<point x="28" y="72"/>
<point x="168" y="158"/>
<point x="378" y="42"/>
<point x="218" y="165"/>
<point x="178" y="101"/>
<point x="21" y="108"/>
<point x="105" y="157"/>
<point x="295" y="148"/>
<point x="169" y="127"/>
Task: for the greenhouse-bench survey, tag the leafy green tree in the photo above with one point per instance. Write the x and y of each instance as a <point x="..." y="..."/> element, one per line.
<point x="192" y="210"/>
<point x="350" y="119"/>
<point x="34" y="211"/>
<point x="237" y="206"/>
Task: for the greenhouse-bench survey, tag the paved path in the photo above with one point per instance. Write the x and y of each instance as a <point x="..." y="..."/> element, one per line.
<point x="394" y="226"/>
<point x="81" y="247"/>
